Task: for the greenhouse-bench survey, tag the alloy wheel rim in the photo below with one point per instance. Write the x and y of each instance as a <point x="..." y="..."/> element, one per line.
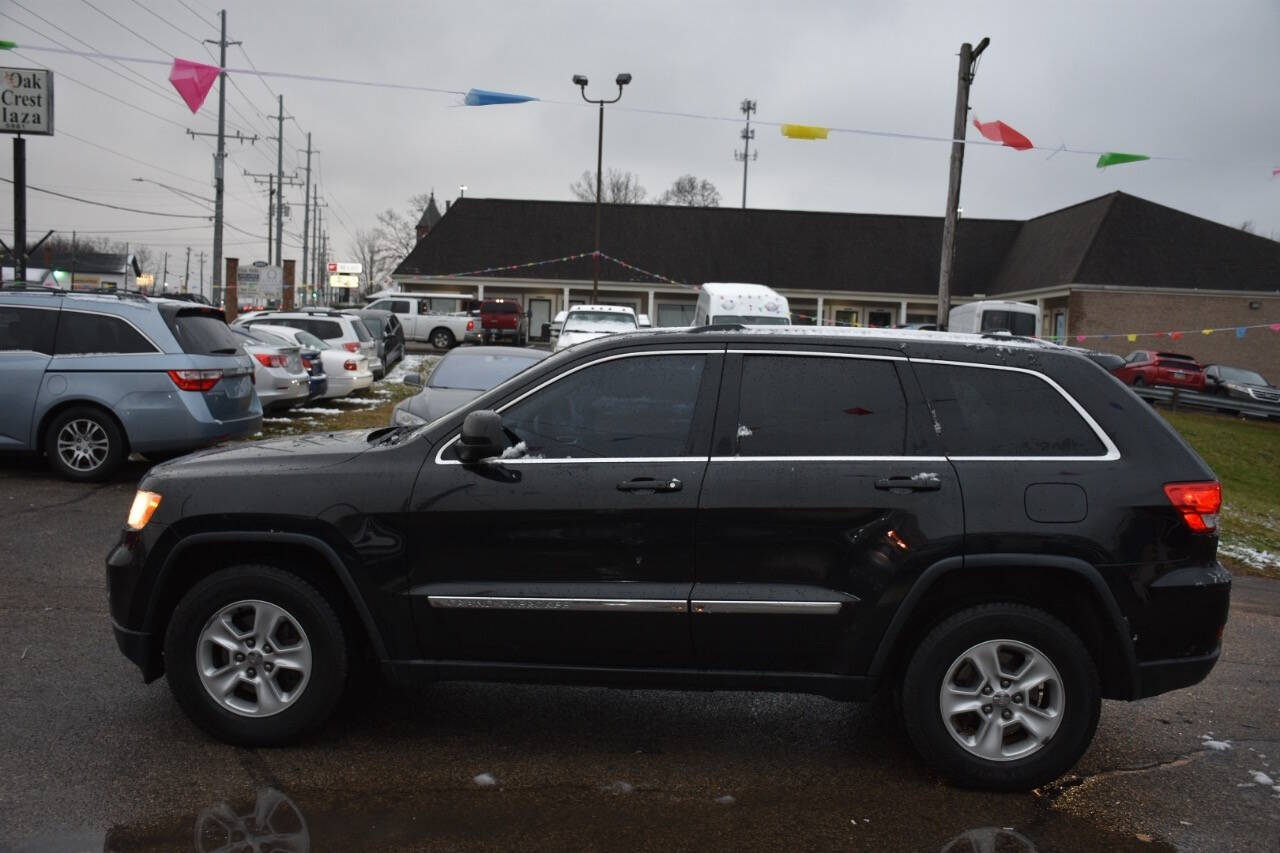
<point x="82" y="444"/>
<point x="1002" y="700"/>
<point x="254" y="658"/>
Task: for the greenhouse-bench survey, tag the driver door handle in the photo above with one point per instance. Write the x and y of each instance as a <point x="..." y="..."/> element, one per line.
<point x="649" y="484"/>
<point x="918" y="483"/>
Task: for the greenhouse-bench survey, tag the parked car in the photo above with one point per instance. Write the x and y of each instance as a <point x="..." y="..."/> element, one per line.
<point x="387" y="331"/>
<point x="346" y="372"/>
<point x="992" y="534"/>
<point x="1240" y="383"/>
<point x="738" y="303"/>
<point x="588" y="322"/>
<point x="442" y="331"/>
<point x="503" y="320"/>
<point x="1106" y="360"/>
<point x="89" y="378"/>
<point x="344" y="330"/>
<point x="459" y="378"/>
<point x="278" y="375"/>
<point x="995" y="315"/>
<point x="1172" y="369"/>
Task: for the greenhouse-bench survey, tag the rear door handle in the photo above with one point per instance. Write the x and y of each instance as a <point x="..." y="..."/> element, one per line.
<point x="649" y="484"/>
<point x="917" y="483"/>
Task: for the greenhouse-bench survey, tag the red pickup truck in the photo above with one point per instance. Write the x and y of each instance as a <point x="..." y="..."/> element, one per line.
<point x="1176" y="370"/>
<point x="503" y="320"/>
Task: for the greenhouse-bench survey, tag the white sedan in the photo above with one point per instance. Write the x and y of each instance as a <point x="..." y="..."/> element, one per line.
<point x="347" y="371"/>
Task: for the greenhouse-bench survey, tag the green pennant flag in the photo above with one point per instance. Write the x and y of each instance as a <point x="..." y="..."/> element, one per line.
<point x="1115" y="158"/>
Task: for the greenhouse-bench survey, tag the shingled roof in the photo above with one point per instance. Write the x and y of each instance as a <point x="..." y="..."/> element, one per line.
<point x="1116" y="239"/>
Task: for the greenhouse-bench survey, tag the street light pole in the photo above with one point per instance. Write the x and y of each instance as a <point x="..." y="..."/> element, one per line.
<point x="581" y="82"/>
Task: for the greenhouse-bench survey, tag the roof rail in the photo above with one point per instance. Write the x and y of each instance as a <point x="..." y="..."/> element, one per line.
<point x="62" y="291"/>
<point x="718" y="327"/>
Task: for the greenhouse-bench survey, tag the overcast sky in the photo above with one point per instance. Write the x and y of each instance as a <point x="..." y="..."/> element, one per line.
<point x="1180" y="79"/>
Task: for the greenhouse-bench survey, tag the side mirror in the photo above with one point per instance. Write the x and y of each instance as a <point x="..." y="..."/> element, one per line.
<point x="413" y="379"/>
<point x="482" y="436"/>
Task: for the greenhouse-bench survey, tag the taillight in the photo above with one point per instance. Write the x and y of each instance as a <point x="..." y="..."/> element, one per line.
<point x="1198" y="502"/>
<point x="270" y="360"/>
<point x="350" y="365"/>
<point x="471" y="325"/>
<point x="195" y="380"/>
<point x="351" y="346"/>
<point x="306" y="364"/>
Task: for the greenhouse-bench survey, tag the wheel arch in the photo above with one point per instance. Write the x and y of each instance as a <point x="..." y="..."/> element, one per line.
<point x="61" y="406"/>
<point x="301" y="554"/>
<point x="431" y="335"/>
<point x="1068" y="588"/>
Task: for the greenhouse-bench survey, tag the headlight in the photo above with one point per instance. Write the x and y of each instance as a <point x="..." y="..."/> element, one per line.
<point x="144" y="506"/>
<point x="404" y="417"/>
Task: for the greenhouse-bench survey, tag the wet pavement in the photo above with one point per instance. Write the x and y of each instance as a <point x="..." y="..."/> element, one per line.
<point x="92" y="759"/>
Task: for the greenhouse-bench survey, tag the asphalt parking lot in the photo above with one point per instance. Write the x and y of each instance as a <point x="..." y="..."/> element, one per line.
<point x="92" y="759"/>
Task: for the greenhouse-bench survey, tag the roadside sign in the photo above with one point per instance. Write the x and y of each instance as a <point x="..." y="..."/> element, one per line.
<point x="345" y="268"/>
<point x="26" y="101"/>
<point x="260" y="282"/>
<point x="344" y="280"/>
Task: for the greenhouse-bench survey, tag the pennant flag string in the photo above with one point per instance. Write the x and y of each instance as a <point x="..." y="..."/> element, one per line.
<point x="1132" y="337"/>
<point x="1007" y="136"/>
<point x="526" y="265"/>
<point x="658" y="276"/>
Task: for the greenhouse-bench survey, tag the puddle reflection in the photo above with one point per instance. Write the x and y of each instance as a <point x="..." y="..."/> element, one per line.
<point x="275" y="825"/>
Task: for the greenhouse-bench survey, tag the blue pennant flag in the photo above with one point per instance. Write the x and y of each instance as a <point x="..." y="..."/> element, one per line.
<point x="485" y="98"/>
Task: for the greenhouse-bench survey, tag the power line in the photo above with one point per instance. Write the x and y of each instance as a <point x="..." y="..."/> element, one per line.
<point x="165" y="21"/>
<point x="129" y="28"/>
<point x="202" y="18"/>
<point x="112" y="206"/>
<point x="62" y="132"/>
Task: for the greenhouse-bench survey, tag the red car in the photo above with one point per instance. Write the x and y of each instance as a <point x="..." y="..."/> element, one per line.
<point x="1172" y="369"/>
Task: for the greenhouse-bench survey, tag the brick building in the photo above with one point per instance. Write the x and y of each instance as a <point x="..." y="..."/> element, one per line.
<point x="1113" y="265"/>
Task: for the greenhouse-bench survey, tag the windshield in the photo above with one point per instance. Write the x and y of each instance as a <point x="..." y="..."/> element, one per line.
<point x="599" y="321"/>
<point x="1239" y="374"/>
<point x="1013" y="322"/>
<point x="749" y="320"/>
<point x="477" y="372"/>
<point x="362" y="332"/>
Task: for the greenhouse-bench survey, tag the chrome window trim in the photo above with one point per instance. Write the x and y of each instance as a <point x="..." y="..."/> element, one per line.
<point x="590" y="459"/>
<point x="795" y="608"/>
<point x="125" y="320"/>
<point x="585" y="605"/>
<point x="828" y="459"/>
<point x="1112" y="452"/>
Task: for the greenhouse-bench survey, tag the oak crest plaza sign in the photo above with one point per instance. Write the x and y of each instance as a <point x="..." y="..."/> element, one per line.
<point x="26" y="101"/>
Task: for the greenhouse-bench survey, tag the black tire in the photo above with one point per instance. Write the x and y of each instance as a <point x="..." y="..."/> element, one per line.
<point x="96" y="427"/>
<point x="442" y="339"/>
<point x="321" y="629"/>
<point x="947" y="643"/>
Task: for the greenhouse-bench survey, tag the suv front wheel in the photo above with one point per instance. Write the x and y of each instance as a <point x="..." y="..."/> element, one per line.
<point x="255" y="656"/>
<point x="1001" y="696"/>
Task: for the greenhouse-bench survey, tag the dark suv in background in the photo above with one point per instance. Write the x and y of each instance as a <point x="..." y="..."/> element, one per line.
<point x="999" y="535"/>
<point x="87" y="378"/>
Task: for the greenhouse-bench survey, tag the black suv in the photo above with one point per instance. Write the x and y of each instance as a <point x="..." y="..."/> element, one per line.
<point x="994" y="531"/>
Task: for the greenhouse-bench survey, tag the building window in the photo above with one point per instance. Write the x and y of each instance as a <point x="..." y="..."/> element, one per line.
<point x="879" y="319"/>
<point x="675" y="314"/>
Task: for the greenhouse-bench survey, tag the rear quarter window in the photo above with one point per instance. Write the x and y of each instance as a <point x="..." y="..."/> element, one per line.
<point x="202" y="333"/>
<point x="990" y="412"/>
<point x="81" y="333"/>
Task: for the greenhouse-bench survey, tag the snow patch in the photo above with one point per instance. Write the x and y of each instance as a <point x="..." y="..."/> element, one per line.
<point x="1250" y="556"/>
<point x="318" y="411"/>
<point x="744" y="431"/>
<point x="484" y="780"/>
<point x="1261" y="778"/>
<point x="726" y="800"/>
<point x="619" y="787"/>
<point x="516" y="452"/>
<point x="923" y="475"/>
<point x="1219" y="745"/>
<point x="277" y="420"/>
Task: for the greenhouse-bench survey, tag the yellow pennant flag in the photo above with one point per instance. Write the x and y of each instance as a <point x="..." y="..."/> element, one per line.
<point x="803" y="131"/>
<point x="1206" y="331"/>
<point x="1132" y="337"/>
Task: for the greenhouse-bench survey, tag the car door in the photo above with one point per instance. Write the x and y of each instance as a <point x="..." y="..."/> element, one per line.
<point x="826" y="491"/>
<point x="577" y="547"/>
<point x="26" y="347"/>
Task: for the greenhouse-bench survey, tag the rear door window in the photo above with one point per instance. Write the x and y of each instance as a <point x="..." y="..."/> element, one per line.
<point x="795" y="405"/>
<point x="202" y="333"/>
<point x="27" y="329"/>
<point x="330" y="330"/>
<point x="80" y="333"/>
<point x="1003" y="413"/>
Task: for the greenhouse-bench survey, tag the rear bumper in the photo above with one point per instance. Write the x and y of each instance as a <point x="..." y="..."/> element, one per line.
<point x="1161" y="676"/>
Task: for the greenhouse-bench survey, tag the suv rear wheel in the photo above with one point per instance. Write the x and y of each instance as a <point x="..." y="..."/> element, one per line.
<point x="255" y="656"/>
<point x="83" y="443"/>
<point x="1001" y="696"/>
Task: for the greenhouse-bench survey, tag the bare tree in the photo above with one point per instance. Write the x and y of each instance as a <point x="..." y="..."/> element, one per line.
<point x="397" y="232"/>
<point x="619" y="188"/>
<point x="691" y="192"/>
<point x="368" y="251"/>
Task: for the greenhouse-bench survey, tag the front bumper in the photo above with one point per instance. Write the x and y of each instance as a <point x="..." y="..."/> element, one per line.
<point x="141" y="648"/>
<point x="125" y="566"/>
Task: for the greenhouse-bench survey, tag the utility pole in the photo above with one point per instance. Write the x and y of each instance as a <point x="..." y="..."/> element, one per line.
<point x="202" y="272"/>
<point x="164" y="276"/>
<point x="275" y="198"/>
<point x="220" y="156"/>
<point x="968" y="65"/>
<point x="306" y="213"/>
<point x="19" y="210"/>
<point x="748" y="107"/>
<point x="279" y="117"/>
<point x="186" y="276"/>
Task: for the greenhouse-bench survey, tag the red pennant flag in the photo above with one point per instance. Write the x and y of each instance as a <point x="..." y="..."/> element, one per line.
<point x="193" y="80"/>
<point x="998" y="131"/>
<point x="1175" y="336"/>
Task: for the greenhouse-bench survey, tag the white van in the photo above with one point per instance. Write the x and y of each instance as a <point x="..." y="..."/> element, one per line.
<point x="745" y="304"/>
<point x="995" y="315"/>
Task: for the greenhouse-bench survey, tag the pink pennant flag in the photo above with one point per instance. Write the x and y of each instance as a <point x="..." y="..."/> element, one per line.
<point x="1275" y="327"/>
<point x="1275" y="172"/>
<point x="193" y="80"/>
<point x="1079" y="339"/>
<point x="998" y="131"/>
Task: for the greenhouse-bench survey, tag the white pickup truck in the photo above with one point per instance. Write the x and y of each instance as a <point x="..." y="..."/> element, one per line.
<point x="442" y="331"/>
